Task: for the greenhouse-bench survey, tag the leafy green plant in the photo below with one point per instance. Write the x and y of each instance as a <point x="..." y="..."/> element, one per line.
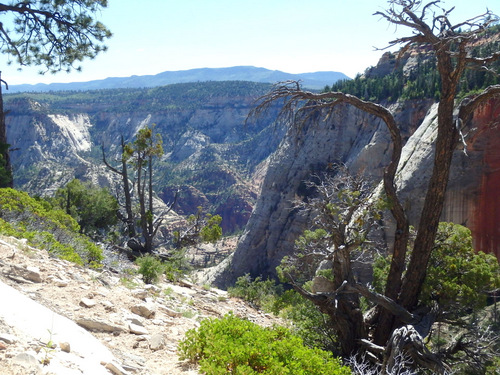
<point x="235" y="346"/>
<point x="306" y="321"/>
<point x="458" y="278"/>
<point x="22" y="216"/>
<point x="92" y="207"/>
<point x="261" y="293"/>
<point x="150" y="267"/>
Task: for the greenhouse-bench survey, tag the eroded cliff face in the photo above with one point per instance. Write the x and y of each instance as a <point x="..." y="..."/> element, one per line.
<point x="485" y="214"/>
<point x="352" y="137"/>
<point x="210" y="152"/>
<point x="362" y="143"/>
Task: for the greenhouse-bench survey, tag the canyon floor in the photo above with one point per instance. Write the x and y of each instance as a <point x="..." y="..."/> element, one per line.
<point x="62" y="319"/>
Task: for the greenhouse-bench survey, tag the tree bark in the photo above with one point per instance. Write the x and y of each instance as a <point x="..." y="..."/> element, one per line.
<point x="129" y="220"/>
<point x="4" y="146"/>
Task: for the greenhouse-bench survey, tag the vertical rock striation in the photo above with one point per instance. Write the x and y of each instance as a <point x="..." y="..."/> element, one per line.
<point x="362" y="143"/>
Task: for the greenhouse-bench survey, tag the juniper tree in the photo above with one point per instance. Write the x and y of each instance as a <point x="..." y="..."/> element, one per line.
<point x="396" y="323"/>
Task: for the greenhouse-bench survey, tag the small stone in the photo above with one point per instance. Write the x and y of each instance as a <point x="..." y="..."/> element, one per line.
<point x="98" y="325"/>
<point x="136" y="329"/>
<point x="143" y="310"/>
<point x="140" y="293"/>
<point x="3" y="346"/>
<point x="26" y="360"/>
<point x="108" y="306"/>
<point x="170" y="312"/>
<point x="115" y="368"/>
<point x="186" y="283"/>
<point x="60" y="283"/>
<point x="86" y="302"/>
<point x="65" y="347"/>
<point x="135" y="321"/>
<point x="157" y="342"/>
<point x="152" y="288"/>
<point x="7" y="338"/>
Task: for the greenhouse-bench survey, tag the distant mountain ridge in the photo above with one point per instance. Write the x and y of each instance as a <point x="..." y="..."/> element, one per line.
<point x="315" y="80"/>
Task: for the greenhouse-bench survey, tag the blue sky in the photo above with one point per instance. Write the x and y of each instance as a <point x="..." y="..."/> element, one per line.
<point x="295" y="36"/>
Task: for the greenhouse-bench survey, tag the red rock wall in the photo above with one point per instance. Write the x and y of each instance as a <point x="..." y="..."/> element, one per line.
<point x="486" y="213"/>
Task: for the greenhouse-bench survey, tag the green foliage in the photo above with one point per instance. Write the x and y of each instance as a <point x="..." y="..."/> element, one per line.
<point x="22" y="216"/>
<point x="234" y="346"/>
<point x="307" y="321"/>
<point x="177" y="265"/>
<point x="174" y="268"/>
<point x="53" y="34"/>
<point x="457" y="277"/>
<point x="200" y="228"/>
<point x="261" y="293"/>
<point x="5" y="172"/>
<point x="310" y="238"/>
<point x="422" y="81"/>
<point x="181" y="96"/>
<point x="211" y="232"/>
<point x="150" y="267"/>
<point x="92" y="207"/>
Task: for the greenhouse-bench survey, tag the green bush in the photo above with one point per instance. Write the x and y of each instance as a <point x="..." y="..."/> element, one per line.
<point x="261" y="293"/>
<point x="150" y="267"/>
<point x="22" y="216"/>
<point x="308" y="322"/>
<point x="234" y="346"/>
<point x="458" y="278"/>
<point x="92" y="207"/>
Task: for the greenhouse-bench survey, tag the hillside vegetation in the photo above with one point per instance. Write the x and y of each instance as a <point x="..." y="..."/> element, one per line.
<point x="22" y="216"/>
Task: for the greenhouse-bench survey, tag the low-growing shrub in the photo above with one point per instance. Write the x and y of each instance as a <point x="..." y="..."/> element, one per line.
<point x="22" y="216"/>
<point x="235" y="346"/>
<point x="308" y="322"/>
<point x="150" y="267"/>
<point x="261" y="293"/>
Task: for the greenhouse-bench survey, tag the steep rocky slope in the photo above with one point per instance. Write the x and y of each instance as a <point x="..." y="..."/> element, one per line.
<point x="60" y="319"/>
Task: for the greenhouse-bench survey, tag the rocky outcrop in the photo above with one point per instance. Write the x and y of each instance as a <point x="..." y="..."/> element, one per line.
<point x="362" y="143"/>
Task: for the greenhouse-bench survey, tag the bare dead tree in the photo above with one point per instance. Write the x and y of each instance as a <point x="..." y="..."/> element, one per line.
<point x="451" y="45"/>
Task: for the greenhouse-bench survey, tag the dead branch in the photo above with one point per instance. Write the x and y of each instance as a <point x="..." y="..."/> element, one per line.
<point x="407" y="342"/>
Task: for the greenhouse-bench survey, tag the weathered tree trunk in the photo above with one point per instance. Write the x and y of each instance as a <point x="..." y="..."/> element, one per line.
<point x="8" y="181"/>
<point x="129" y="219"/>
<point x="446" y="143"/>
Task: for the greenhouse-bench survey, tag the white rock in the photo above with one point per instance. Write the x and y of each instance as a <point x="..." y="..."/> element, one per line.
<point x="170" y="312"/>
<point x="98" y="325"/>
<point x="139" y="293"/>
<point x="86" y="302"/>
<point x="26" y="360"/>
<point x="157" y="342"/>
<point x="137" y="329"/>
